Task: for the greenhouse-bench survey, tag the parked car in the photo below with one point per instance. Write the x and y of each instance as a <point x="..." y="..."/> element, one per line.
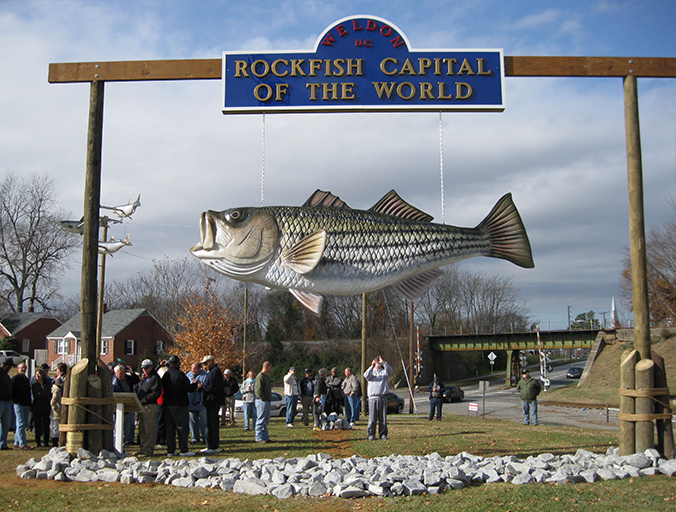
<point x="277" y="406"/>
<point x="574" y="372"/>
<point x="18" y="358"/>
<point x="453" y="394"/>
<point x="395" y="405"/>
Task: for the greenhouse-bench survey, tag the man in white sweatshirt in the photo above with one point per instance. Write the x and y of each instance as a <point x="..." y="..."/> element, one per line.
<point x="377" y="375"/>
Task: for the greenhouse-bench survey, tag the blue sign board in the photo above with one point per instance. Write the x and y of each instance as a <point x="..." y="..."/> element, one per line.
<point x="363" y="63"/>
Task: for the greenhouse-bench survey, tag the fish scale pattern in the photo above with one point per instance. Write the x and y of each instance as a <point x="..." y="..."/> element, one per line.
<point x="367" y="249"/>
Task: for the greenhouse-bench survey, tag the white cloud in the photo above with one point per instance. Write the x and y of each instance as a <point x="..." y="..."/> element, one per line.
<point x="558" y="147"/>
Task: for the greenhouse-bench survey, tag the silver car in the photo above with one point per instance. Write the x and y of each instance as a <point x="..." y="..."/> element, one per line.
<point x="277" y="406"/>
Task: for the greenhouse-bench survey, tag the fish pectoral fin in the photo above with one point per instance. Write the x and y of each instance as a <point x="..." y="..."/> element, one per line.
<point x="312" y="301"/>
<point x="392" y="204"/>
<point x="414" y="287"/>
<point x="305" y="255"/>
<point x="324" y="198"/>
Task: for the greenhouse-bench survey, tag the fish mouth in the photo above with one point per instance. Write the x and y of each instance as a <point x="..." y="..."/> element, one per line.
<point x="207" y="234"/>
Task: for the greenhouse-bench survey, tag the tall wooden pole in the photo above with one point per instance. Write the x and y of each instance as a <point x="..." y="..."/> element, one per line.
<point x="90" y="238"/>
<point x="639" y="273"/>
<point x="410" y="361"/>
<point x="364" y="394"/>
<point x="246" y="317"/>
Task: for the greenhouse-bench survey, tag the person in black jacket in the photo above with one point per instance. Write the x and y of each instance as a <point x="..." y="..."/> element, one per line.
<point x="213" y="388"/>
<point x="21" y="396"/>
<point x="5" y="401"/>
<point x="42" y="397"/>
<point x="176" y="387"/>
<point x="148" y="391"/>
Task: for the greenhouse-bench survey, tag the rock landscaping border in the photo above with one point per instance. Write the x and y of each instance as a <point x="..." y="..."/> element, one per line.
<point x="354" y="477"/>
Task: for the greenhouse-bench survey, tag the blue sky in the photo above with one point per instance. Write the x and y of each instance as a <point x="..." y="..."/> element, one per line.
<point x="559" y="145"/>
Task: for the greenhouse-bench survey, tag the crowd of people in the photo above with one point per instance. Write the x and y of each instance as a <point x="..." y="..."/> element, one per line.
<point x="179" y="409"/>
<point x="30" y="404"/>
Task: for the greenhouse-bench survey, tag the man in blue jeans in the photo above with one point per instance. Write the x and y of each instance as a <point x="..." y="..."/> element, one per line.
<point x="5" y="401"/>
<point x="263" y="390"/>
<point x="291" y="393"/>
<point x="21" y="396"/>
<point x="529" y="389"/>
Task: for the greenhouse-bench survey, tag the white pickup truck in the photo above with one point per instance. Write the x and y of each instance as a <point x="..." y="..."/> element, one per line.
<point x="18" y="358"/>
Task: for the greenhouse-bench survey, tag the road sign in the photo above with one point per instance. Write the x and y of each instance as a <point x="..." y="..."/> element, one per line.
<point x="473" y="407"/>
<point x="492" y="357"/>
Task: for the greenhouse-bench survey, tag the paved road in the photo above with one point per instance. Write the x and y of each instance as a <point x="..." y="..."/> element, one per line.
<point x="501" y="402"/>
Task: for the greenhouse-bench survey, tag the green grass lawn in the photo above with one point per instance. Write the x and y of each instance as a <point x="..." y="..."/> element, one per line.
<point x="408" y="435"/>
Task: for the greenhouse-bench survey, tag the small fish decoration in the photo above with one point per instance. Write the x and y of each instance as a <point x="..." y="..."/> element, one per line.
<point x="124" y="211"/>
<point x="326" y="247"/>
<point x="112" y="246"/>
<point x="77" y="226"/>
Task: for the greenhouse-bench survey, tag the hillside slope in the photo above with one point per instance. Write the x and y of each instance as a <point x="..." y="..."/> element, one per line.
<point x="603" y="381"/>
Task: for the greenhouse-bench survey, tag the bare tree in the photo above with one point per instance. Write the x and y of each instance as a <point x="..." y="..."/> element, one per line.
<point x="661" y="262"/>
<point x="34" y="249"/>
<point x="164" y="291"/>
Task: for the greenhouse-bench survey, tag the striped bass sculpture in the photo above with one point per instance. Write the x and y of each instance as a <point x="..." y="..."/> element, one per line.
<point x="326" y="247"/>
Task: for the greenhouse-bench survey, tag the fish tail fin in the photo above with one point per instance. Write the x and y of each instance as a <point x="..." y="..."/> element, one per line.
<point x="507" y="234"/>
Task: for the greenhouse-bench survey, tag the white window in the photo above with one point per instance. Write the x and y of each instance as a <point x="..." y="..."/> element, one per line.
<point x="62" y="346"/>
<point x="104" y="347"/>
<point x="130" y="347"/>
<point x="159" y="347"/>
<point x="25" y="345"/>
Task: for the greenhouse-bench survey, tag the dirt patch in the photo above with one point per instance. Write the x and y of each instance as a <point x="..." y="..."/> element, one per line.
<point x="338" y="442"/>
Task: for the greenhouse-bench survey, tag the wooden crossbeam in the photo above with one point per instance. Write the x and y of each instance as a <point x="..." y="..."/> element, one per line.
<point x="211" y="69"/>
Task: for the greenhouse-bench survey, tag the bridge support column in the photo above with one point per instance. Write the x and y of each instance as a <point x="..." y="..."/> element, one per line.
<point x="512" y="366"/>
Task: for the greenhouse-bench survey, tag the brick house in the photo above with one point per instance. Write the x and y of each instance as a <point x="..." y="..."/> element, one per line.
<point x="130" y="335"/>
<point x="29" y="329"/>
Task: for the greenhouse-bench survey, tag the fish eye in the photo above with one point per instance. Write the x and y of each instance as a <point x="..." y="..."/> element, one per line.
<point x="236" y="215"/>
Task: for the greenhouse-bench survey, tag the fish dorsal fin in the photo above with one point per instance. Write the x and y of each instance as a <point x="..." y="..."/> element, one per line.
<point x="304" y="256"/>
<point x="392" y="204"/>
<point x="324" y="198"/>
<point x="312" y="301"/>
<point x="414" y="287"/>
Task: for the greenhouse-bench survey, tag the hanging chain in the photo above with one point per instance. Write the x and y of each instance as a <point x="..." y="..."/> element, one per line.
<point x="263" y="163"/>
<point x="441" y="165"/>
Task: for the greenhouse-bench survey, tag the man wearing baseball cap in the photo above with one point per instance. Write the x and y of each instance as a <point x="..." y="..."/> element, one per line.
<point x="529" y="389"/>
<point x="149" y="390"/>
<point x="214" y="398"/>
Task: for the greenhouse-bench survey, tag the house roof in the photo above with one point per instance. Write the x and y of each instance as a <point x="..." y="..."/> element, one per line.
<point x="112" y="323"/>
<point x="16" y="322"/>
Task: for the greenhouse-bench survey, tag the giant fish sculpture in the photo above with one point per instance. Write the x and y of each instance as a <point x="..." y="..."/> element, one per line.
<point x="326" y="247"/>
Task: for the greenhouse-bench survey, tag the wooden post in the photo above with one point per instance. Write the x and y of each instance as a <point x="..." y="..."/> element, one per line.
<point x="90" y="238"/>
<point x="94" y="438"/>
<point x="246" y="316"/>
<point x="627" y="381"/>
<point x="76" y="414"/>
<point x="639" y="273"/>
<point x="665" y="432"/>
<point x="645" y="436"/>
<point x="364" y="393"/>
<point x="410" y="362"/>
